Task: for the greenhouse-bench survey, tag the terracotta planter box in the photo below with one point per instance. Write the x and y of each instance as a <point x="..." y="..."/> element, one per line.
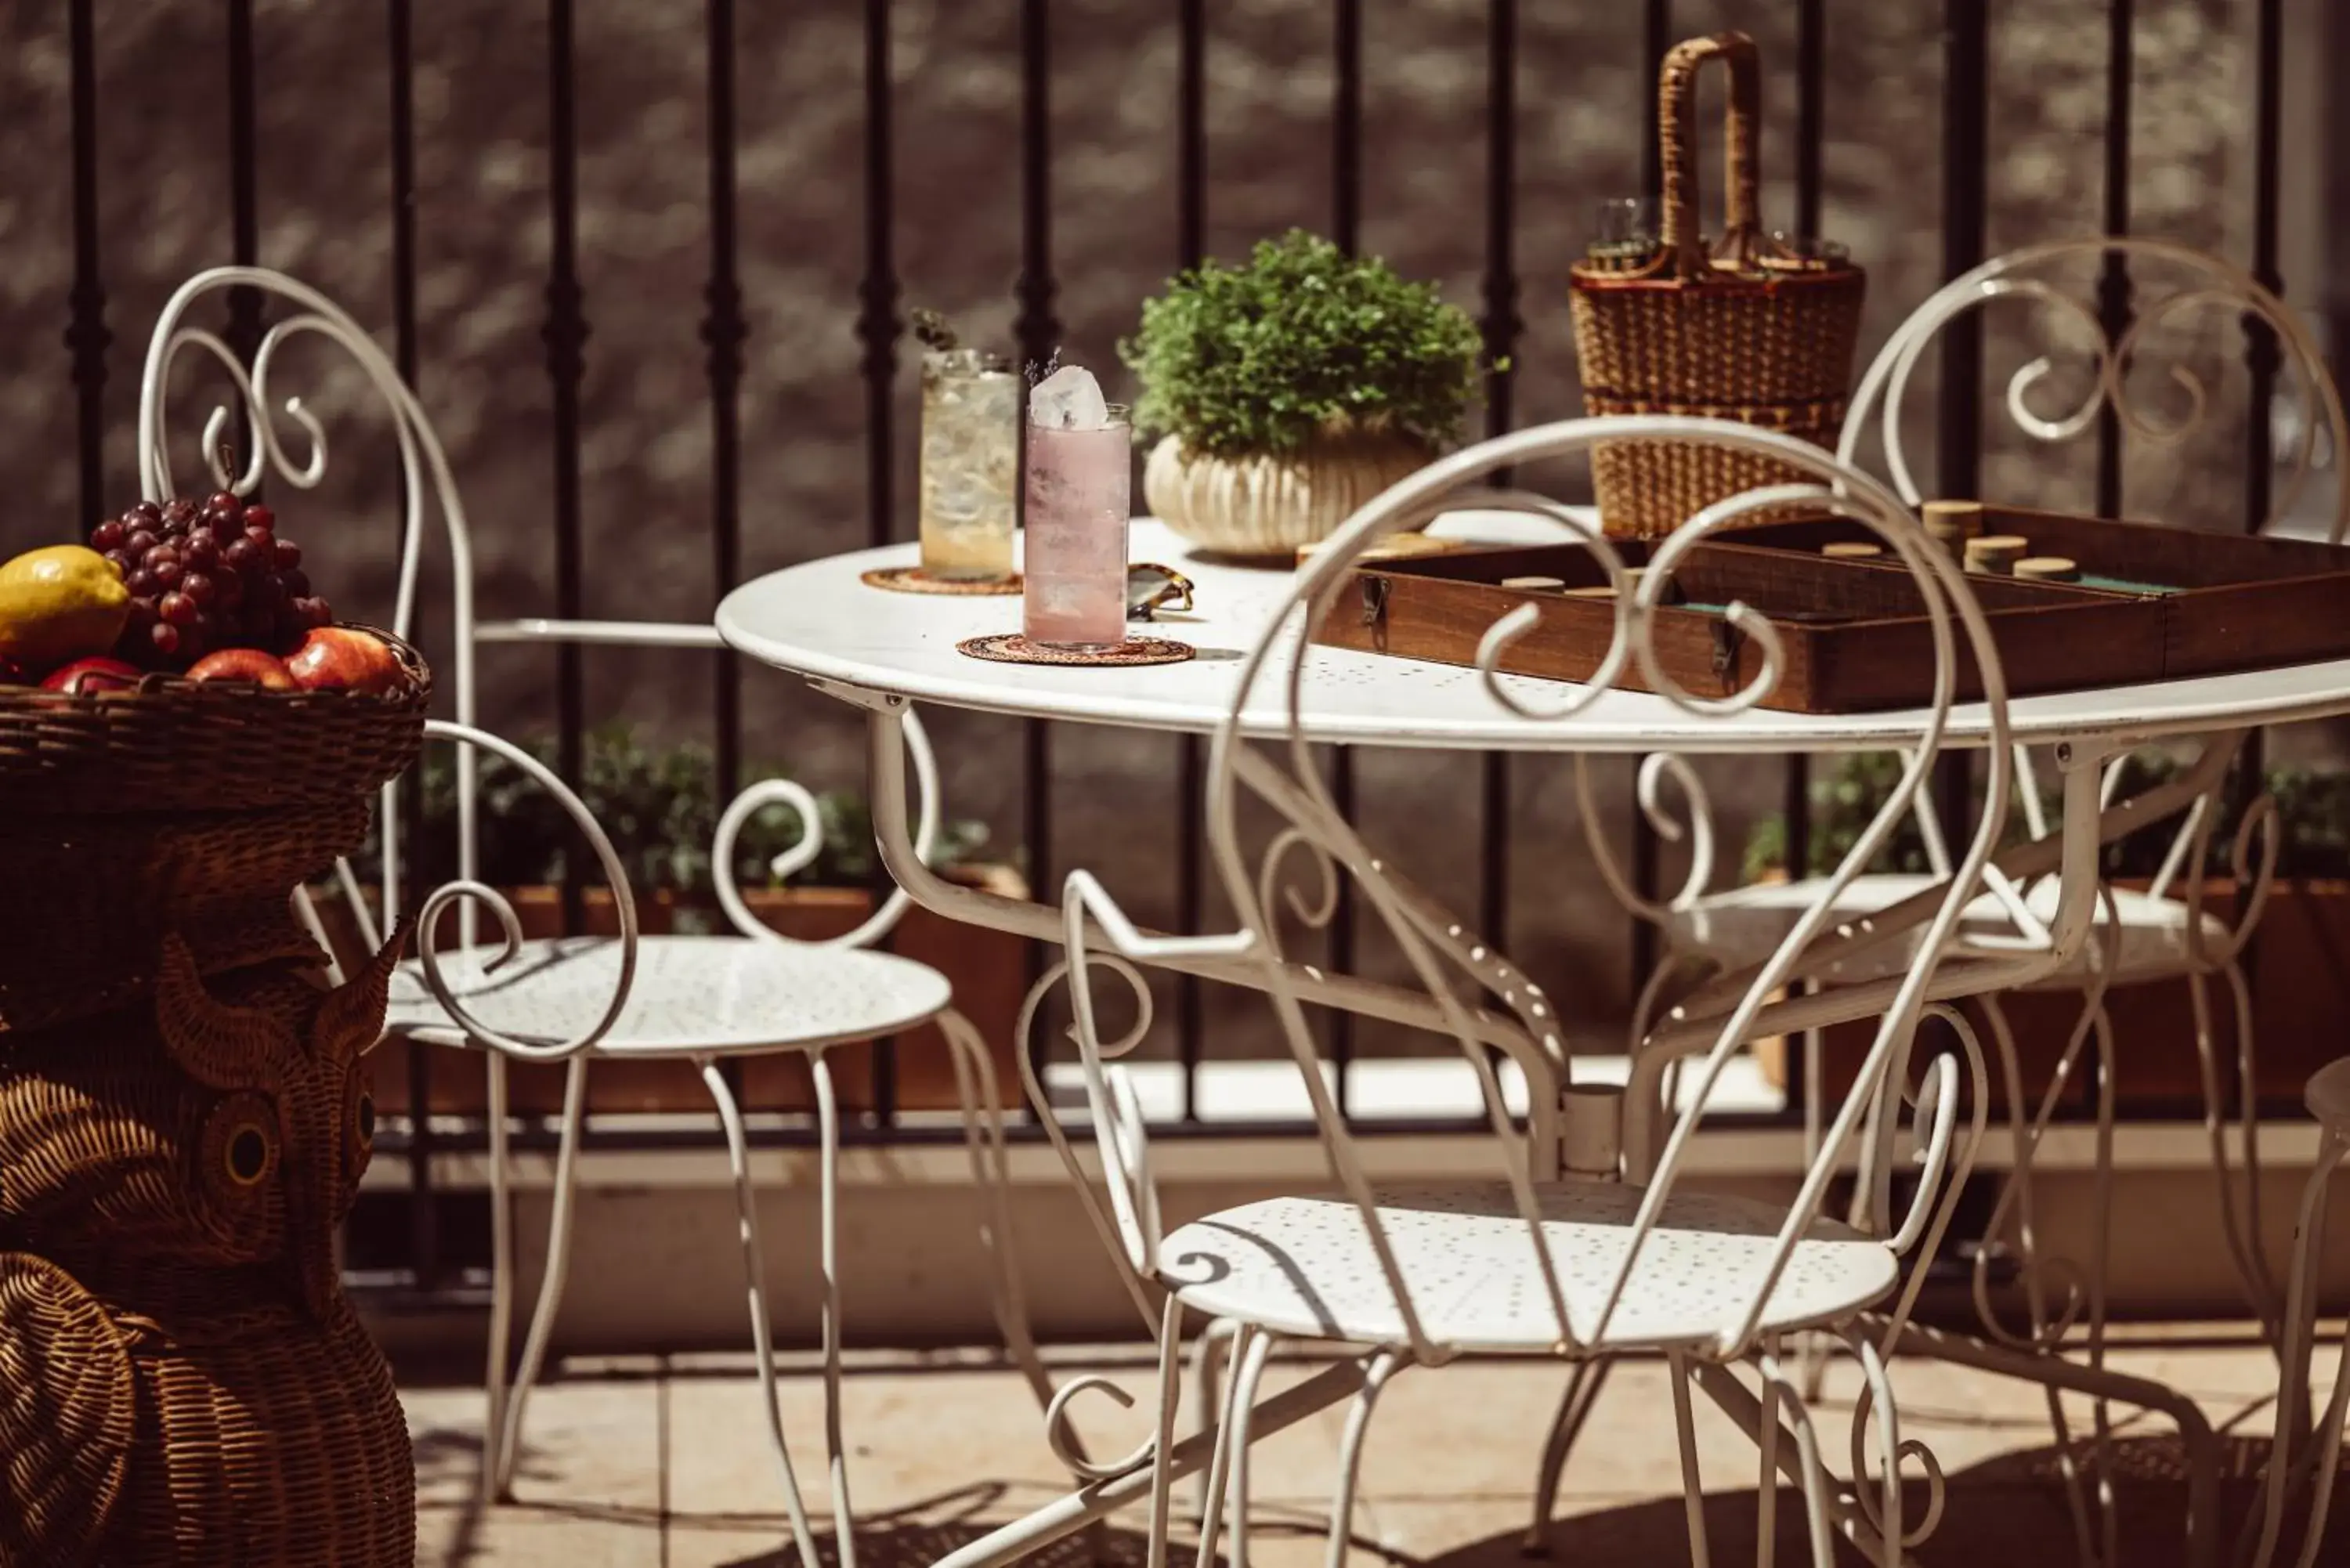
<point x="2299" y="964"/>
<point x="986" y="969"/>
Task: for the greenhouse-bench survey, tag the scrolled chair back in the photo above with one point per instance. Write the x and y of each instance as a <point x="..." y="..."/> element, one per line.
<point x="2178" y="281"/>
<point x="427" y="482"/>
<point x="2024" y="275"/>
<point x="1263" y="747"/>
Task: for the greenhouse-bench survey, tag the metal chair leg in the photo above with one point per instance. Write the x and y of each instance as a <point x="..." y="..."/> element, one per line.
<point x="1216" y="1479"/>
<point x="1208" y="1355"/>
<point x="1573" y="1409"/>
<point x="754" y="1272"/>
<point x="1247" y="1373"/>
<point x="501" y="1270"/>
<point x="2293" y="1383"/>
<point x="1829" y="1508"/>
<point x="982" y="1123"/>
<point x="2047" y="1330"/>
<point x="827" y="1121"/>
<point x="2243" y="1248"/>
<point x="508" y="1435"/>
<point x="1692" y="1477"/>
<point x="1350" y="1455"/>
<point x="1766" y="1475"/>
<point x="1162" y="1447"/>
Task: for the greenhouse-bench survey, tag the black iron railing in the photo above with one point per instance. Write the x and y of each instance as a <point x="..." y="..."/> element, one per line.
<point x="725" y="333"/>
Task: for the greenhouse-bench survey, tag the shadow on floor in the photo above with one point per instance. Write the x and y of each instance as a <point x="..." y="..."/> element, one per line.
<point x="2011" y="1511"/>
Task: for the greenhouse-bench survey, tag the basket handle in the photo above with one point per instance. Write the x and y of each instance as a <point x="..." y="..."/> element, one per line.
<point x="1676" y="118"/>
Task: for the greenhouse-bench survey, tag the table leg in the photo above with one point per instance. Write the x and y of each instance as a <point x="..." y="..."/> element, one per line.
<point x="1541" y="1062"/>
<point x="2054" y="1372"/>
<point x="1064" y="1516"/>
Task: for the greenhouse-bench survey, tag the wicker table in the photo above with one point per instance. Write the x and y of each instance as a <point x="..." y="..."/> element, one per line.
<point x="185" y="1117"/>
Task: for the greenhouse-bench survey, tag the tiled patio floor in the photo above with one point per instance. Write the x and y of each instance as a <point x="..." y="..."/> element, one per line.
<point x="666" y="1462"/>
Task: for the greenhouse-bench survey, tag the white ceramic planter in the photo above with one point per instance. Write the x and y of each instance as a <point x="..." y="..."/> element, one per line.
<point x="1270" y="505"/>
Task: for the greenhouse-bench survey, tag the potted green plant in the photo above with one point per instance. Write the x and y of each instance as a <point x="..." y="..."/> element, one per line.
<point x="1291" y="389"/>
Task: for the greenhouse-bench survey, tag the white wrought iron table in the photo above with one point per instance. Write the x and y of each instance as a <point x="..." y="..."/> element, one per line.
<point x="819" y="620"/>
<point x="887" y="652"/>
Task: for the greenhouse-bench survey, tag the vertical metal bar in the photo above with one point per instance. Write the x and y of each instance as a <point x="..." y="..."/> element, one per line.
<point x="1347" y="127"/>
<point x="1810" y="136"/>
<point x="1965" y="90"/>
<point x="1346" y="228"/>
<point x="244" y="212"/>
<point x="87" y="336"/>
<point x="2261" y="357"/>
<point x="723" y="331"/>
<point x="2113" y="276"/>
<point x="1656" y="37"/>
<point x="1037" y="330"/>
<point x="722" y="334"/>
<point x="1811" y="111"/>
<point x="423" y="1212"/>
<point x="1965" y="172"/>
<point x="1500" y="328"/>
<point x="244" y="332"/>
<point x="1191" y="790"/>
<point x="565" y="335"/>
<point x="877" y="319"/>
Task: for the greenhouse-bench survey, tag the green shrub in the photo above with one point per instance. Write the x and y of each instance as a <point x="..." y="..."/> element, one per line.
<point x="2312" y="816"/>
<point x="660" y="807"/>
<point x="1242" y="360"/>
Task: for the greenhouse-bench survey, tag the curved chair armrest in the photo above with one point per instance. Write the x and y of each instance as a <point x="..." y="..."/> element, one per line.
<point x="615" y="876"/>
<point x="1116" y="1114"/>
<point x="602" y="633"/>
<point x="802" y="854"/>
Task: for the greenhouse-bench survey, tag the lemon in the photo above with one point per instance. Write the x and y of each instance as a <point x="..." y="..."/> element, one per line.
<point x="60" y="604"/>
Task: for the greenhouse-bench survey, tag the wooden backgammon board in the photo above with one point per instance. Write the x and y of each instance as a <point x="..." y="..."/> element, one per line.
<point x="2151" y="603"/>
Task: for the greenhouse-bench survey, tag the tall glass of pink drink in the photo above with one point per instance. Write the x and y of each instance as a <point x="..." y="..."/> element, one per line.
<point x="1074" y="595"/>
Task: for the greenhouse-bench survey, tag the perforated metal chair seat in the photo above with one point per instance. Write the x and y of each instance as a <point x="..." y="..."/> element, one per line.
<point x="1744" y="925"/>
<point x="1304" y="1266"/>
<point x="693" y="995"/>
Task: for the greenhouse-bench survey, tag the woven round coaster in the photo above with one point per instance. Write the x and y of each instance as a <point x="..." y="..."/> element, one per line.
<point x="1012" y="648"/>
<point x="914" y="580"/>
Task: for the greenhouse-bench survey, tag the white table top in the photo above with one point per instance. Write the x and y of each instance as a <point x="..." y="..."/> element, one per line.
<point x="819" y="620"/>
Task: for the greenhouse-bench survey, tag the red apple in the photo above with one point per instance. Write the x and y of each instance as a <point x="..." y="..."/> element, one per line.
<point x="247" y="664"/>
<point x="344" y="658"/>
<point x="85" y="677"/>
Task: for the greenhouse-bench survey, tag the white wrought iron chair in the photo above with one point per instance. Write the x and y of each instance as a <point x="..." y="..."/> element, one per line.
<point x="704" y="1000"/>
<point x="1527" y="1262"/>
<point x="2313" y="1476"/>
<point x="2163" y="932"/>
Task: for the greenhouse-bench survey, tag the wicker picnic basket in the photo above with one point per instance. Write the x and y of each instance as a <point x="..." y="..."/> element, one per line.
<point x="178" y="806"/>
<point x="1747" y="329"/>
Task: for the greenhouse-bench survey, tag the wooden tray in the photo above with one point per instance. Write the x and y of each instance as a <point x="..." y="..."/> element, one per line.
<point x="2235" y="602"/>
<point x="2163" y="604"/>
<point x="1855" y="636"/>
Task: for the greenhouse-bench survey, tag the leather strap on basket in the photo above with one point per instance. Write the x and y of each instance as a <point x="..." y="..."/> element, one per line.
<point x="1677" y="126"/>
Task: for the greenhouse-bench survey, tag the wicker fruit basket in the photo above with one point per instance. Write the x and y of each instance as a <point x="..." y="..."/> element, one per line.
<point x="175" y="745"/>
<point x="177" y="806"/>
<point x="1747" y="329"/>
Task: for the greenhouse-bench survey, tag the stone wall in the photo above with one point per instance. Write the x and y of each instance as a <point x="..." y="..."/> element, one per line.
<point x="482" y="169"/>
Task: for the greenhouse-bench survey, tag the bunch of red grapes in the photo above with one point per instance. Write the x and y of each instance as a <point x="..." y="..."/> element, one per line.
<point x="204" y="576"/>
